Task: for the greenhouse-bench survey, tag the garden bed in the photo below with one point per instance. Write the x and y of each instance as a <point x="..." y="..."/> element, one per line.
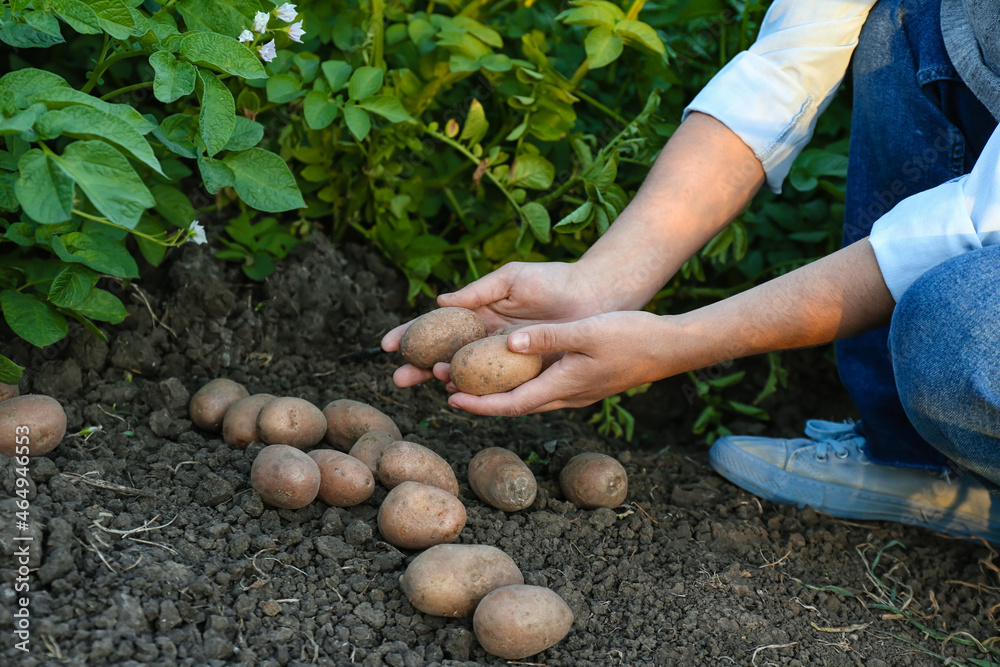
<point x="152" y="549"/>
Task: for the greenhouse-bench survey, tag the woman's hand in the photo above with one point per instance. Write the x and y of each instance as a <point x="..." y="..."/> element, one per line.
<point x="602" y="356"/>
<point x="516" y="293"/>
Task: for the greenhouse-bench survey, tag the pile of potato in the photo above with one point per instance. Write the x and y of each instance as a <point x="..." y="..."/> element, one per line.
<point x="33" y="421"/>
<point x="352" y="445"/>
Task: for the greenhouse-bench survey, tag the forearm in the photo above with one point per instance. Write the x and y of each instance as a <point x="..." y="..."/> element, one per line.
<point x="702" y="179"/>
<point x="835" y="297"/>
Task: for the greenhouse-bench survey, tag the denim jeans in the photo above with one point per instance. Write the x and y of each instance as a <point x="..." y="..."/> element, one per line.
<point x="915" y="125"/>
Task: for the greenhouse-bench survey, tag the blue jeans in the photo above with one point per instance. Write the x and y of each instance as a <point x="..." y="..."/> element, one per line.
<point x="915" y="125"/>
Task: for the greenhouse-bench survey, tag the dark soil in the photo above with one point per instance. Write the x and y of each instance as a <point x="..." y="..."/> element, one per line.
<point x="151" y="548"/>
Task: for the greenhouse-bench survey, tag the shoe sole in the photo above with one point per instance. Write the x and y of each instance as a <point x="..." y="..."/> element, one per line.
<point x="780" y="486"/>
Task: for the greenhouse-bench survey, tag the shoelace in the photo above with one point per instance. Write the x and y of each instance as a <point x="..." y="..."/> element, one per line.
<point x="836" y="436"/>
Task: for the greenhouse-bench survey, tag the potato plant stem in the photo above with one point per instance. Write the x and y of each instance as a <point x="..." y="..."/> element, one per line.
<point x="600" y="107"/>
<point x="176" y="241"/>
<point x="467" y="153"/>
<point x="103" y="65"/>
<point x="126" y="89"/>
<point x="378" y="36"/>
<point x="633" y="11"/>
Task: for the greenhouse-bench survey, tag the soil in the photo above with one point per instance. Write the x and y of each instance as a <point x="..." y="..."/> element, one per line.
<point x="151" y="548"/>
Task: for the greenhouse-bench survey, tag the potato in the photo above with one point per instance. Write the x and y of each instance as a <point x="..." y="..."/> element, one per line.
<point x="417" y="516"/>
<point x="487" y="367"/>
<point x="33" y="421"/>
<point x="344" y="480"/>
<point x="451" y="579"/>
<point x="239" y="427"/>
<point x="209" y="404"/>
<point x="591" y="480"/>
<point x="369" y="446"/>
<point x="285" y="477"/>
<point x="291" y="421"/>
<point x="8" y="391"/>
<point x="439" y="334"/>
<point x="348" y="420"/>
<point x="404" y="461"/>
<point x="501" y="479"/>
<point x="516" y="621"/>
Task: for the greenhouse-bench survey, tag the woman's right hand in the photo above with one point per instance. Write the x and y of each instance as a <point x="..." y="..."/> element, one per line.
<point x="516" y="293"/>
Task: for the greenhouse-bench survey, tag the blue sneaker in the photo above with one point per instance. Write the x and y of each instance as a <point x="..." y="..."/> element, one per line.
<point x="829" y="471"/>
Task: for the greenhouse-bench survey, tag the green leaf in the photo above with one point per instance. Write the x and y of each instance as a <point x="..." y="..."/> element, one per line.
<point x="72" y="286"/>
<point x="217" y="118"/>
<point x="108" y="180"/>
<point x="578" y="219"/>
<point x="27" y="82"/>
<point x="227" y="17"/>
<point x="173" y="205"/>
<point x="319" y="110"/>
<point x="43" y="189"/>
<point x="60" y="98"/>
<point x="538" y="220"/>
<point x="531" y="170"/>
<point x="153" y="252"/>
<point x="82" y="122"/>
<point x="637" y="32"/>
<point x="308" y="65"/>
<point x="21" y="122"/>
<point x="337" y="72"/>
<point x="10" y="373"/>
<point x="603" y="47"/>
<point x="608" y="175"/>
<point x="215" y="175"/>
<point x="387" y="106"/>
<point x="246" y="134"/>
<point x="259" y="266"/>
<point x="263" y="180"/>
<point x="114" y="16"/>
<point x="174" y="134"/>
<point x="21" y="233"/>
<point x="101" y="253"/>
<point x="358" y="121"/>
<point x="476" y="124"/>
<point x="248" y="100"/>
<point x="79" y="15"/>
<point x="364" y="82"/>
<point x="591" y="16"/>
<point x="223" y="53"/>
<point x="102" y="306"/>
<point x="282" y="88"/>
<point x="23" y="36"/>
<point x="749" y="410"/>
<point x="45" y="23"/>
<point x="173" y="78"/>
<point x="32" y="319"/>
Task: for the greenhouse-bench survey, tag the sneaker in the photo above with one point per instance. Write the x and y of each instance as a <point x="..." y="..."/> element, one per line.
<point x="830" y="472"/>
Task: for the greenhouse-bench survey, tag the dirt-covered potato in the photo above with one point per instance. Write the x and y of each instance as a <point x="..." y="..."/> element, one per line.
<point x="291" y="421"/>
<point x="404" y="461"/>
<point x="417" y="516"/>
<point x="33" y="421"/>
<point x="500" y="479"/>
<point x="239" y="427"/>
<point x="348" y="420"/>
<point x="369" y="446"/>
<point x="516" y="621"/>
<point x="285" y="477"/>
<point x="591" y="480"/>
<point x="8" y="391"/>
<point x="209" y="404"/>
<point x="344" y="480"/>
<point x="439" y="334"/>
<point x="487" y="367"/>
<point x="451" y="579"/>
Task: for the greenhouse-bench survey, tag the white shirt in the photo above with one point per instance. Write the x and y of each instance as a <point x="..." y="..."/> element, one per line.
<point x="771" y="96"/>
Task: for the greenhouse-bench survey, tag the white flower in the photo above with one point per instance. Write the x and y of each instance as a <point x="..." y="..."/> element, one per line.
<point x="246" y="36"/>
<point x="268" y="52"/>
<point x="196" y="233"/>
<point x="286" y="12"/>
<point x="295" y="32"/>
<point x="260" y="22"/>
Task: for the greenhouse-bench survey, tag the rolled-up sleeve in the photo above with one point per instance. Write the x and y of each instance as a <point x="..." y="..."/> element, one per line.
<point x="930" y="227"/>
<point x="772" y="94"/>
